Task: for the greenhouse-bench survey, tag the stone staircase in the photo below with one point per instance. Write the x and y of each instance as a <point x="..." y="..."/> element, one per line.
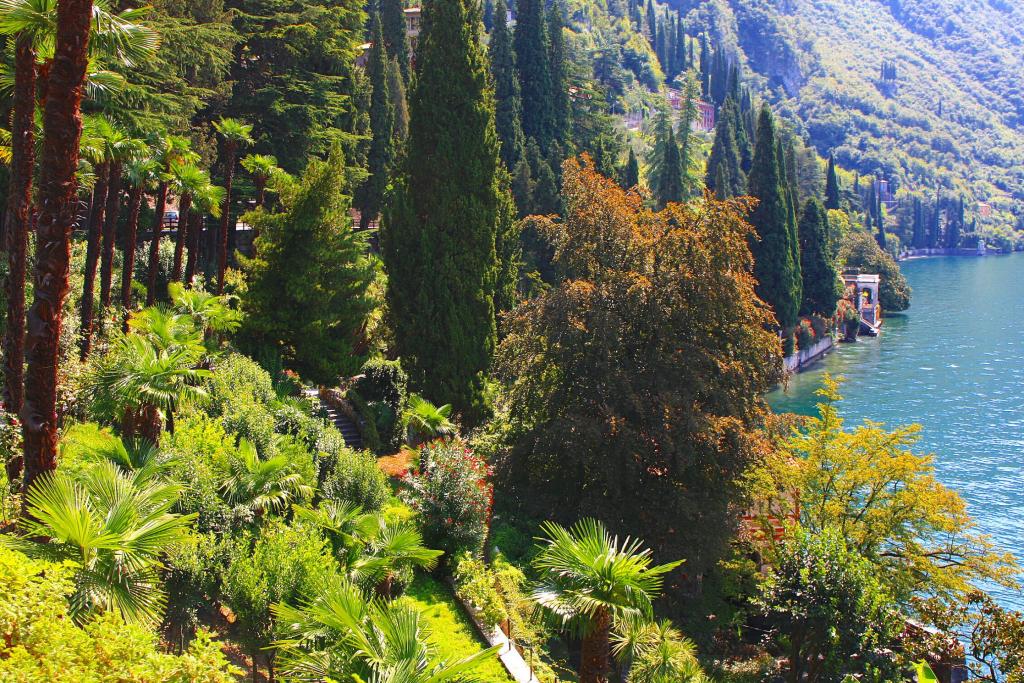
<point x="345" y="424"/>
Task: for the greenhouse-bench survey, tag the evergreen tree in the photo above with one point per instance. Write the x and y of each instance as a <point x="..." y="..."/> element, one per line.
<point x="530" y="41"/>
<point x="561" y="110"/>
<point x="399" y="104"/>
<point x="392" y="19"/>
<point x="508" y="106"/>
<point x="822" y="288"/>
<point x="522" y="188"/>
<point x="724" y="171"/>
<point x="661" y="46"/>
<point x="308" y="287"/>
<point x="489" y="12"/>
<point x="687" y="144"/>
<point x="776" y="270"/>
<point x="652" y="23"/>
<point x="831" y="185"/>
<point x="370" y="196"/>
<point x="935" y="224"/>
<point x="955" y="225"/>
<point x="631" y="171"/>
<point x="670" y="178"/>
<point x="705" y="66"/>
<point x="544" y="198"/>
<point x="441" y="236"/>
<point x="918" y="234"/>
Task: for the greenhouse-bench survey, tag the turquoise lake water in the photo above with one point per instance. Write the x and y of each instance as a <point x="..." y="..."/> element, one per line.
<point x="954" y="363"/>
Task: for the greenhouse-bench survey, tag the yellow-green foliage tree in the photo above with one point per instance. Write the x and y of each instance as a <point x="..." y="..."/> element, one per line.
<point x="869" y="485"/>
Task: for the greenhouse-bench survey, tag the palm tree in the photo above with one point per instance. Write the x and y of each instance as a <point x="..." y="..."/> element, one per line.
<point x="167" y="329"/>
<point x="114" y="525"/>
<point x="656" y="653"/>
<point x="34" y="24"/>
<point x="262" y="167"/>
<point x="139" y="458"/>
<point x="185" y="180"/>
<point x="426" y="421"/>
<point x="62" y="129"/>
<point x="235" y="133"/>
<point x="143" y="383"/>
<point x="211" y="313"/>
<point x="205" y="200"/>
<point x="132" y="150"/>
<point x="142" y="176"/>
<point x="170" y="150"/>
<point x="263" y="485"/>
<point x="342" y="635"/>
<point x="589" y="582"/>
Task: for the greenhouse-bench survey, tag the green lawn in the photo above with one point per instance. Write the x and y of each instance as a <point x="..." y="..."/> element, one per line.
<point x="451" y="631"/>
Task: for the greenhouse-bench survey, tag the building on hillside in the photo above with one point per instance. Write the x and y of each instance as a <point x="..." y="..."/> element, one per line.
<point x="705" y="122"/>
<point x="863" y="289"/>
<point x="412" y="31"/>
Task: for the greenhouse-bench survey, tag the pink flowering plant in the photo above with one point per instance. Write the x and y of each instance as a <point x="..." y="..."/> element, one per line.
<point x="453" y="493"/>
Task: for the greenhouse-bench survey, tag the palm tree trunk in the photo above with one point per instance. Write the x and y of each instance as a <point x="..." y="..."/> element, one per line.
<point x="261" y="190"/>
<point x="16" y="221"/>
<point x="595" y="649"/>
<point x="92" y="255"/>
<point x="154" y="244"/>
<point x="62" y="130"/>
<point x="184" y="204"/>
<point x="225" y="215"/>
<point x="110" y="237"/>
<point x="195" y="229"/>
<point x="134" y="206"/>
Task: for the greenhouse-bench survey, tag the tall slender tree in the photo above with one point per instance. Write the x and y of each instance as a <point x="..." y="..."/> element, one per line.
<point x="670" y="178"/>
<point x="776" y="271"/>
<point x="530" y="41"/>
<point x="821" y="286"/>
<point x="831" y="184"/>
<point x="171" y="150"/>
<point x="440" y="232"/>
<point x="141" y="175"/>
<point x="561" y="109"/>
<point x="725" y="165"/>
<point x="396" y="40"/>
<point x="235" y="133"/>
<point x="185" y="181"/>
<point x="132" y="150"/>
<point x="397" y="90"/>
<point x="62" y="130"/>
<point x="508" y="105"/>
<point x="631" y="171"/>
<point x="261" y="167"/>
<point x="370" y="195"/>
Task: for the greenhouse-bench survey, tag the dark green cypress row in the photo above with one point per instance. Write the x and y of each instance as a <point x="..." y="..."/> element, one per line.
<point x="440" y="238"/>
<point x="725" y="165"/>
<point x="670" y="179"/>
<point x="775" y="269"/>
<point x="652" y="23"/>
<point x="370" y="195"/>
<point x="507" y="102"/>
<point x="530" y="41"/>
<point x="831" y="184"/>
<point x="561" y="110"/>
<point x="821" y="286"/>
<point x="392" y="18"/>
<point x="631" y="171"/>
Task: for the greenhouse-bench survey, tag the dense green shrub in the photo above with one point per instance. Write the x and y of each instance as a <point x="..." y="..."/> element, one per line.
<point x="41" y="643"/>
<point x="805" y="337"/>
<point x="355" y="477"/>
<point x="201" y="451"/>
<point x="383" y="387"/>
<point x="454" y="495"/>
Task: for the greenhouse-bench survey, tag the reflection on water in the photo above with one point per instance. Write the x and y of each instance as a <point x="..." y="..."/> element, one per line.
<point x="955" y="364"/>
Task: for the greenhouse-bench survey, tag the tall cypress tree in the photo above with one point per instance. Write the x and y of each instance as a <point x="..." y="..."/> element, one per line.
<point x="508" y="105"/>
<point x="670" y="177"/>
<point x="725" y="172"/>
<point x="631" y="171"/>
<point x="652" y="23"/>
<point x="370" y="196"/>
<point x="561" y="111"/>
<point x="831" y="185"/>
<point x="441" y="236"/>
<point x="399" y="103"/>
<point x="530" y="41"/>
<point x="776" y="270"/>
<point x="821" y="286"/>
<point x="392" y="18"/>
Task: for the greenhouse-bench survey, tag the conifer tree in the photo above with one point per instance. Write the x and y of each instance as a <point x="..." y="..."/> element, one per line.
<point x="392" y="19"/>
<point x="396" y="89"/>
<point x="670" y="177"/>
<point x="652" y="23"/>
<point x="440" y="235"/>
<point x="661" y="46"/>
<point x="370" y="196"/>
<point x="724" y="172"/>
<point x="631" y="171"/>
<point x="831" y="185"/>
<point x="917" y="233"/>
<point x="821" y="286"/>
<point x="508" y="106"/>
<point x="488" y="18"/>
<point x="561" y="110"/>
<point x="776" y="270"/>
<point x="530" y="40"/>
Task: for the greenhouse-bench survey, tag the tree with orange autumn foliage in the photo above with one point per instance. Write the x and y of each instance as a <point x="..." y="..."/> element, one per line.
<point x="634" y="386"/>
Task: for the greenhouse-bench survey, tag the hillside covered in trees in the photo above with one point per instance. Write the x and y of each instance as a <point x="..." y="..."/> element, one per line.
<point x="926" y="93"/>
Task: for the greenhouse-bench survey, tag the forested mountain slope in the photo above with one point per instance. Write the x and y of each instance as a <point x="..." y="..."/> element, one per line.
<point x="928" y="93"/>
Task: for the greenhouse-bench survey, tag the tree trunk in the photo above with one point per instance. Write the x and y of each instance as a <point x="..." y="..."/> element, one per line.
<point x="595" y="649"/>
<point x="92" y="255"/>
<point x="154" y="244"/>
<point x="225" y="216"/>
<point x="110" y="237"/>
<point x="16" y="222"/>
<point x="62" y="130"/>
<point x="195" y="230"/>
<point x="184" y="205"/>
<point x="143" y="422"/>
<point x="261" y="190"/>
<point x="134" y="206"/>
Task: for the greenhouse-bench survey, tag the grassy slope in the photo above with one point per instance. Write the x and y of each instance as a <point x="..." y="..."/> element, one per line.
<point x="451" y="631"/>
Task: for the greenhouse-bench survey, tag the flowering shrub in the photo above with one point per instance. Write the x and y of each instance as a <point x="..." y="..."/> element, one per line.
<point x="453" y="494"/>
<point x="805" y="336"/>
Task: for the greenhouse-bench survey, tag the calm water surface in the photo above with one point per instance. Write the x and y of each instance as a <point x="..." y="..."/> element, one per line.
<point x="954" y="363"/>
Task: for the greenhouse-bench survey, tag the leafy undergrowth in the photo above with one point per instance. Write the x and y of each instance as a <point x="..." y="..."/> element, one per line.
<point x="451" y="631"/>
